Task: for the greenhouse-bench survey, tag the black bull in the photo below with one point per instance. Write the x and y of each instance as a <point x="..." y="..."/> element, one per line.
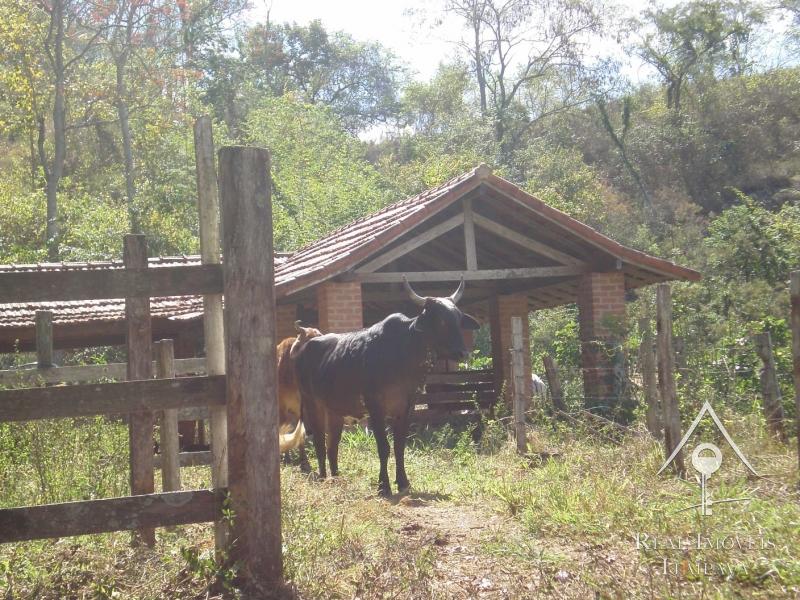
<point x="377" y="371"/>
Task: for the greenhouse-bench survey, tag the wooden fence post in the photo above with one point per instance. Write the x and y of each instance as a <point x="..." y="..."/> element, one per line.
<point x="168" y="432"/>
<point x="250" y="360"/>
<point x="554" y="384"/>
<point x="213" y="329"/>
<point x="794" y="290"/>
<point x="770" y="390"/>
<point x="44" y="339"/>
<point x="666" y="376"/>
<point x="140" y="366"/>
<point x="647" y="360"/>
<point x="518" y="384"/>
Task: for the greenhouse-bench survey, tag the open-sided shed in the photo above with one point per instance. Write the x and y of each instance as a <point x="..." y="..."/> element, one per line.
<point x="516" y="253"/>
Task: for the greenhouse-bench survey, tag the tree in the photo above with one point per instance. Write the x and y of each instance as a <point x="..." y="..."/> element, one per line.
<point x="69" y="38"/>
<point x="529" y="58"/>
<point x="359" y="81"/>
<point x="694" y="40"/>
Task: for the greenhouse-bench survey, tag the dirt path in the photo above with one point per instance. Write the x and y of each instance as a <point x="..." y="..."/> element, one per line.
<point x="463" y="566"/>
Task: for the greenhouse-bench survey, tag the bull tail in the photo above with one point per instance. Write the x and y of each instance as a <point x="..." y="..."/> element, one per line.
<point x="290" y="441"/>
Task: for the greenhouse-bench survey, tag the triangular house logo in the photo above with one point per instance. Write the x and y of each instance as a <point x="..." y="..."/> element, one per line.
<point x="704" y="463"/>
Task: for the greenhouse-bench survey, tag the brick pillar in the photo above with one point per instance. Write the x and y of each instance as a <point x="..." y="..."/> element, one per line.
<point x="502" y="308"/>
<point x="340" y="307"/>
<point x="601" y="307"/>
<point x="285" y="316"/>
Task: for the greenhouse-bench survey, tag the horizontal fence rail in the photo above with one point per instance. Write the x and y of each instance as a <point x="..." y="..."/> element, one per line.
<point x="30" y="404"/>
<point x="85" y="373"/>
<point x="52" y="286"/>
<point x="110" y="514"/>
<point x="186" y="459"/>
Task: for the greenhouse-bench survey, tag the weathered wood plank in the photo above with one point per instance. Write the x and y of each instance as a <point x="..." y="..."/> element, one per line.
<point x="554" y="384"/>
<point x="526" y="242"/>
<point x="112" y="514"/>
<point x="44" y="339"/>
<point x="213" y="331"/>
<point x="168" y="432"/>
<point x="486" y="376"/>
<point x="666" y="376"/>
<point x="409" y="245"/>
<point x="250" y="364"/>
<point x="770" y="390"/>
<point x="794" y="294"/>
<point x="140" y="366"/>
<point x="483" y="274"/>
<point x="86" y="373"/>
<point x="187" y="459"/>
<point x="647" y="359"/>
<point x="518" y="384"/>
<point x="86" y="400"/>
<point x="470" y="248"/>
<point x="51" y="286"/>
<point x="465" y="396"/>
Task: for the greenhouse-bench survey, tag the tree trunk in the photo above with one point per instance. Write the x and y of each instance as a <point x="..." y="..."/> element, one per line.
<point x="127" y="150"/>
<point x="56" y="171"/>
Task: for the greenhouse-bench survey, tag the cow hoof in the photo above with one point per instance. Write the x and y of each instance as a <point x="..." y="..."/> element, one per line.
<point x="384" y="490"/>
<point x="305" y="468"/>
<point x="403" y="487"/>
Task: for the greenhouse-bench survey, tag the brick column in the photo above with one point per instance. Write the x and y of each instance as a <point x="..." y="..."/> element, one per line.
<point x="340" y="307"/>
<point x="601" y="307"/>
<point x="285" y="316"/>
<point x="502" y="308"/>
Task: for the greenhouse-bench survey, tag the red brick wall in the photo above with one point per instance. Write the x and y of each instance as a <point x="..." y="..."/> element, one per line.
<point x="285" y="316"/>
<point x="601" y="305"/>
<point x="340" y="307"/>
<point x="502" y="308"/>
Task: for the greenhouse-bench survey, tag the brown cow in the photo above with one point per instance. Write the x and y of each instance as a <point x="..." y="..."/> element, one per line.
<point x="289" y="392"/>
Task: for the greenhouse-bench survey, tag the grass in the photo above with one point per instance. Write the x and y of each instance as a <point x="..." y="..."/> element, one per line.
<point x="564" y="520"/>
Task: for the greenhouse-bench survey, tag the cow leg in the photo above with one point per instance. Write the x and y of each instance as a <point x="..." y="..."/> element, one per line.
<point x="316" y="418"/>
<point x="400" y="432"/>
<point x="378" y="425"/>
<point x="334" y="426"/>
<point x="305" y="466"/>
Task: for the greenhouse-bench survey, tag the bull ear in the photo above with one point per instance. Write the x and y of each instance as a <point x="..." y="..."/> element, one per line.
<point x="468" y="322"/>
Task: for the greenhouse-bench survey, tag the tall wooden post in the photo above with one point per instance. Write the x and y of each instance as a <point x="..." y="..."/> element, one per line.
<point x="44" y="339"/>
<point x="647" y="360"/>
<point x="253" y="455"/>
<point x="140" y="366"/>
<point x="518" y="384"/>
<point x="770" y="390"/>
<point x="666" y="375"/>
<point x="213" y="330"/>
<point x="794" y="290"/>
<point x="554" y="383"/>
<point x="168" y="432"/>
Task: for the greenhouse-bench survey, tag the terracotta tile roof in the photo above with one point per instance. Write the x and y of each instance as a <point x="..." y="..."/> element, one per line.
<point x="334" y="254"/>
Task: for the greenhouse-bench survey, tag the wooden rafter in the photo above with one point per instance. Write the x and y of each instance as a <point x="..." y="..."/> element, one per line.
<point x="486" y="274"/>
<point x="469" y="236"/>
<point x="409" y="245"/>
<point x="526" y="242"/>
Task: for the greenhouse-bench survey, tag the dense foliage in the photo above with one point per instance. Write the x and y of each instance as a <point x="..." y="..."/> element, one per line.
<point x="695" y="160"/>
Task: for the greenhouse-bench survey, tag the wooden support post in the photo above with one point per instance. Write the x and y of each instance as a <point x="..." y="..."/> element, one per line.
<point x="213" y="331"/>
<point x="666" y="376"/>
<point x="554" y="384"/>
<point x="140" y="366"/>
<point x="250" y="360"/>
<point x="518" y="384"/>
<point x="770" y="390"/>
<point x="469" y="236"/>
<point x="44" y="339"/>
<point x="794" y="290"/>
<point x="170" y="465"/>
<point x="647" y="361"/>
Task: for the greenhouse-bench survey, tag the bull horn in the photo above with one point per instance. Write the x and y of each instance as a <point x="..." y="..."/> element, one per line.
<point x="458" y="293"/>
<point x="415" y="297"/>
<point x="297" y="326"/>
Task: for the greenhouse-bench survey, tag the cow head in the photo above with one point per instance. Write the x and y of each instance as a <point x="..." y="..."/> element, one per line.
<point x="442" y="322"/>
<point x="303" y="335"/>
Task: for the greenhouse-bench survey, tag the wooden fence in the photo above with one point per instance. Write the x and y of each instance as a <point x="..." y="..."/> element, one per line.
<point x="246" y="436"/>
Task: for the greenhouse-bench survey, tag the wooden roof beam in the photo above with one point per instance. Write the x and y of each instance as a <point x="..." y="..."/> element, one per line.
<point x="526" y="242"/>
<point x="485" y="274"/>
